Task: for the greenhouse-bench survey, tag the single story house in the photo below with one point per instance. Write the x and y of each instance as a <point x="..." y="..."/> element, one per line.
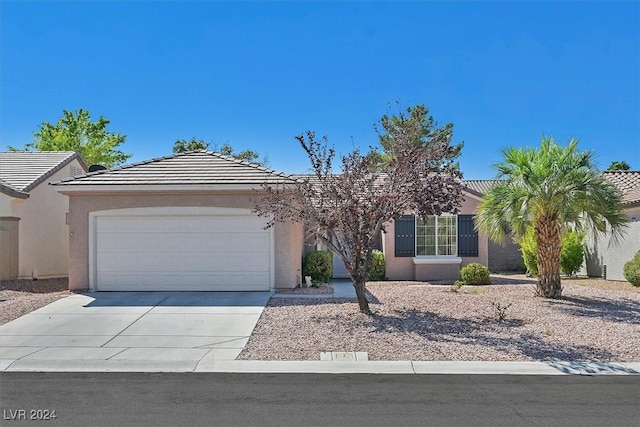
<point x="185" y="222"/>
<point x="34" y="238"/>
<point x="182" y="222"/>
<point x="605" y="258"/>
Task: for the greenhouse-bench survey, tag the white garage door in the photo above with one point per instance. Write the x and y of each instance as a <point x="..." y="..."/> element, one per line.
<point x="182" y="253"/>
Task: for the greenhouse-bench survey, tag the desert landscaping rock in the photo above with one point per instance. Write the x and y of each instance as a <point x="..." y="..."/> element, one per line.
<point x="595" y="321"/>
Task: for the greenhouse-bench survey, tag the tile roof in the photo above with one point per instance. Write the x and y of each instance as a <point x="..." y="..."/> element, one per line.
<point x="628" y="182"/>
<point x="23" y="170"/>
<point x="193" y="167"/>
<point x="479" y="186"/>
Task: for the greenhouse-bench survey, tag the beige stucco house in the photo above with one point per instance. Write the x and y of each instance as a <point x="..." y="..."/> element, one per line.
<point x="182" y="222"/>
<point x="185" y="222"/>
<point x="34" y="237"/>
<point x="604" y="257"/>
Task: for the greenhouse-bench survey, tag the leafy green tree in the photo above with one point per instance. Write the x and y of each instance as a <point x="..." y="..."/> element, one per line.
<point x="572" y="252"/>
<point x="182" y="145"/>
<point x="75" y="131"/>
<point x="250" y="156"/>
<point x="619" y="166"/>
<point x="549" y="189"/>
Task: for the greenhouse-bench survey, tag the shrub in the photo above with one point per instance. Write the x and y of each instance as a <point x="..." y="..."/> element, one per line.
<point x="501" y="310"/>
<point x="528" y="247"/>
<point x="318" y="265"/>
<point x="572" y="252"/>
<point x="475" y="274"/>
<point x="377" y="267"/>
<point x="631" y="270"/>
<point x="457" y="286"/>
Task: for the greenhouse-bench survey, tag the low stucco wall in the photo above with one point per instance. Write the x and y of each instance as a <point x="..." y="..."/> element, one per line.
<point x="287" y="236"/>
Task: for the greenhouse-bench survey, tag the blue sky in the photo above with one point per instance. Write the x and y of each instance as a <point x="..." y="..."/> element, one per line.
<point x="255" y="74"/>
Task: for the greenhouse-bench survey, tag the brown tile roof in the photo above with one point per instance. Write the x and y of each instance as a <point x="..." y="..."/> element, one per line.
<point x="628" y="182"/>
<point x="194" y="167"/>
<point x="23" y="170"/>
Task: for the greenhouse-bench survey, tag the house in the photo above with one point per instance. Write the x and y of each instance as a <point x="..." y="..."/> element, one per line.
<point x="604" y="257"/>
<point x="182" y="222"/>
<point x="34" y="238"/>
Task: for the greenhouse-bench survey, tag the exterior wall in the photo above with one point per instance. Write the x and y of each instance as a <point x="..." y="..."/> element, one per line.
<point x="408" y="268"/>
<point x="604" y="257"/>
<point x="44" y="239"/>
<point x="505" y="258"/>
<point x="287" y="237"/>
<point x="5" y="204"/>
<point x="9" y="247"/>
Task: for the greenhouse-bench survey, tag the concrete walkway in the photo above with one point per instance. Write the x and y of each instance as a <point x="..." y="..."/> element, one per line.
<point x="201" y="332"/>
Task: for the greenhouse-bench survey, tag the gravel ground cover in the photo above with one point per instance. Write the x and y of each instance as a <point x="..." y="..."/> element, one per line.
<point x="595" y="320"/>
<point x="19" y="297"/>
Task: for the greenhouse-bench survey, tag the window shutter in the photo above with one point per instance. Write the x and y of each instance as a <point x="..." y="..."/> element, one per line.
<point x="467" y="236"/>
<point x="405" y="236"/>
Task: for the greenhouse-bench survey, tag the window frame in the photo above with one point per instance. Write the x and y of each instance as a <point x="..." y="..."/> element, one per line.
<point x="436" y="246"/>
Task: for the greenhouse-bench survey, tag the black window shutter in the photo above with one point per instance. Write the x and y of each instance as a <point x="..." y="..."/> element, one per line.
<point x="467" y="236"/>
<point x="405" y="236"/>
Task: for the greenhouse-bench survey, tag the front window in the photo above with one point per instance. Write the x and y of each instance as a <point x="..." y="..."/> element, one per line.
<point x="437" y="236"/>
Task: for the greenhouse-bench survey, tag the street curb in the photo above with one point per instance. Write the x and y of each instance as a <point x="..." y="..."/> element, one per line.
<point x="325" y="367"/>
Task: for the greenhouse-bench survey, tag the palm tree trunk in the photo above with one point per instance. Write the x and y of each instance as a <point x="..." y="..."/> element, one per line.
<point x="549" y="240"/>
<point x="359" y="285"/>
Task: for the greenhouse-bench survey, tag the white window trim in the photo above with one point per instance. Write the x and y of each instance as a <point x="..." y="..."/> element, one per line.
<point x="432" y="259"/>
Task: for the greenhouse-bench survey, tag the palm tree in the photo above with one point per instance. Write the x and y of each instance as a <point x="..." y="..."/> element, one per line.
<point x="549" y="188"/>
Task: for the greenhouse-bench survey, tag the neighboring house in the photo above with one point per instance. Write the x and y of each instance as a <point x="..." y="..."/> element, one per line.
<point x="178" y="223"/>
<point x="34" y="237"/>
<point x="605" y="258"/>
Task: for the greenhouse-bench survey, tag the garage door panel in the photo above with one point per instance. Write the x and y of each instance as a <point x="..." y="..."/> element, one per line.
<point x="182" y="253"/>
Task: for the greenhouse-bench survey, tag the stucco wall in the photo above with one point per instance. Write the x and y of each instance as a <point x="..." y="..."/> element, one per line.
<point x="44" y="235"/>
<point x="9" y="247"/>
<point x="505" y="257"/>
<point x="287" y="237"/>
<point x="602" y="252"/>
<point x="404" y="268"/>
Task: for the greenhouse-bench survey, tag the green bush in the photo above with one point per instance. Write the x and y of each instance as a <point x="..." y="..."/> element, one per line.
<point x="377" y="271"/>
<point x="572" y="252"/>
<point x="528" y="247"/>
<point x="318" y="265"/>
<point x="631" y="270"/>
<point x="475" y="274"/>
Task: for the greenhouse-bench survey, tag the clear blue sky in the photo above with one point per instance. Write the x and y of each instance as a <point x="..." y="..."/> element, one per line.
<point x="257" y="74"/>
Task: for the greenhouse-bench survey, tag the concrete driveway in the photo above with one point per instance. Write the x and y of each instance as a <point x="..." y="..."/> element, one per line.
<point x="156" y="331"/>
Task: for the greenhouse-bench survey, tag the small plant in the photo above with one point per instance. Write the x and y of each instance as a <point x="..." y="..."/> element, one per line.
<point x="457" y="286"/>
<point x="547" y="331"/>
<point x="572" y="252"/>
<point x="500" y="309"/>
<point x="631" y="270"/>
<point x="377" y="272"/>
<point x="318" y="265"/>
<point x="476" y="291"/>
<point x="475" y="274"/>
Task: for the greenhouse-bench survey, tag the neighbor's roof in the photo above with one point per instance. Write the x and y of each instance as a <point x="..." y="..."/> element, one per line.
<point x="21" y="171"/>
<point x="193" y="167"/>
<point x="628" y="182"/>
<point x="479" y="186"/>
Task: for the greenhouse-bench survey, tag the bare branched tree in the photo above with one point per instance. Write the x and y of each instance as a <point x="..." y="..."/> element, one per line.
<point x="346" y="211"/>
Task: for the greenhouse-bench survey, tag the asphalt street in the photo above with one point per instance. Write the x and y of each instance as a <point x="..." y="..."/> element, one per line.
<point x="230" y="399"/>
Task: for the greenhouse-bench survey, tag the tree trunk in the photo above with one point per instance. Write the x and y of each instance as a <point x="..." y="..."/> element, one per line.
<point x="362" y="296"/>
<point x="549" y="240"/>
